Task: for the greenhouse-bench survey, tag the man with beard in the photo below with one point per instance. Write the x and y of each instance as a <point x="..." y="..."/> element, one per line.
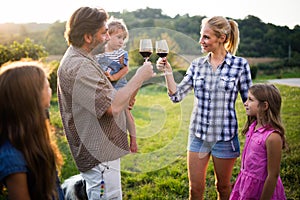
<point x="92" y="111"/>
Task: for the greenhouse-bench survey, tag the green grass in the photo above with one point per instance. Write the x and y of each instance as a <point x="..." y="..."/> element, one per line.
<point x="275" y="74"/>
<point x="158" y="170"/>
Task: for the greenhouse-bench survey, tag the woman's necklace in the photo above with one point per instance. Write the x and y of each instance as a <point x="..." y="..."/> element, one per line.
<point x="215" y="62"/>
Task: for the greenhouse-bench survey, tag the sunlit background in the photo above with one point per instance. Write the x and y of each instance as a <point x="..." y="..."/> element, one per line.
<point x="278" y="12"/>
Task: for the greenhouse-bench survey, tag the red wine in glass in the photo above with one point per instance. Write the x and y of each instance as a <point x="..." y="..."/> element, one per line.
<point x="162" y="48"/>
<point x="146" y="54"/>
<point x="146" y="48"/>
<point x="162" y="55"/>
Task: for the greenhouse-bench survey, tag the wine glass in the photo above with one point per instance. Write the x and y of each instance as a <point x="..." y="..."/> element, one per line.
<point x="146" y="48"/>
<point x="162" y="48"/>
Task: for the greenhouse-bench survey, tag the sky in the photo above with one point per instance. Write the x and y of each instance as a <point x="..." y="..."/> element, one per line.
<point x="278" y="12"/>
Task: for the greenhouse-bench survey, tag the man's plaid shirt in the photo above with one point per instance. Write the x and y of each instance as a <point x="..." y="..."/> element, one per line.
<point x="214" y="116"/>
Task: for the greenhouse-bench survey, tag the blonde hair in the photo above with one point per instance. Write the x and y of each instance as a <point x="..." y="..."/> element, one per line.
<point x="115" y="24"/>
<point x="221" y="25"/>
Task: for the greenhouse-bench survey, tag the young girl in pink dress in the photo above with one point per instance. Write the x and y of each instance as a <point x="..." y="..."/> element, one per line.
<point x="260" y="166"/>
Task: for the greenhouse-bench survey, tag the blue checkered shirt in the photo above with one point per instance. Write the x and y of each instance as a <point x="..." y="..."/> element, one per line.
<point x="214" y="117"/>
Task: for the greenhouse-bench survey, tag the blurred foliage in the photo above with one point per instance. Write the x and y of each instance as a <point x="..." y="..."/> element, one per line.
<point x="257" y="39"/>
<point x="16" y="51"/>
<point x="181" y="32"/>
<point x="53" y="67"/>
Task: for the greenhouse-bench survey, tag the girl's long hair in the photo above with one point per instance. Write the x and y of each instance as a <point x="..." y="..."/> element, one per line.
<point x="24" y="124"/>
<point x="270" y="117"/>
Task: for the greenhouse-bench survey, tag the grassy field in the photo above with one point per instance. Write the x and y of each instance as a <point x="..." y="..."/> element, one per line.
<point x="158" y="170"/>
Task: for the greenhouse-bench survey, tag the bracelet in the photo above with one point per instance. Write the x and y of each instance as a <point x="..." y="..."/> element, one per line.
<point x="168" y="73"/>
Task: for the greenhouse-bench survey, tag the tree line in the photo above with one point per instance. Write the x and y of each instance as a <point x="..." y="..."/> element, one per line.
<point x="258" y="39"/>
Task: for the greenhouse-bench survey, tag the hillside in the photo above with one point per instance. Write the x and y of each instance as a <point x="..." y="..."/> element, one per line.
<point x="257" y="39"/>
<point x="12" y="28"/>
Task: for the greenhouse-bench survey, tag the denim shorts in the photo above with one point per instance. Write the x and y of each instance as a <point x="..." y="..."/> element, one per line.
<point x="219" y="149"/>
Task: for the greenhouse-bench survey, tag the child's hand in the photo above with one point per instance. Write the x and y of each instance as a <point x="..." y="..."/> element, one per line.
<point x="133" y="145"/>
<point x="108" y="75"/>
<point x="121" y="60"/>
<point x="131" y="103"/>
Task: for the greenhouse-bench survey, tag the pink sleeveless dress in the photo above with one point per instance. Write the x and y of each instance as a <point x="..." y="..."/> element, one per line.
<point x="253" y="173"/>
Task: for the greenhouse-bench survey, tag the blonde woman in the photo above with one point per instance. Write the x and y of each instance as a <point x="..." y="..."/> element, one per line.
<point x="216" y="80"/>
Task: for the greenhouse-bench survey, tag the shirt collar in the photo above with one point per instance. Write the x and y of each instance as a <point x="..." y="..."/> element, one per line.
<point x="260" y="130"/>
<point x="228" y="58"/>
<point x="83" y="52"/>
